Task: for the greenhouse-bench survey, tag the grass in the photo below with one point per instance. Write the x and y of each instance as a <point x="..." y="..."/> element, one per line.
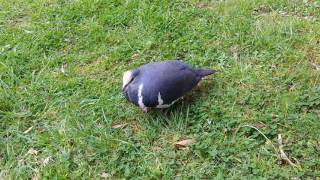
<point x="59" y="125"/>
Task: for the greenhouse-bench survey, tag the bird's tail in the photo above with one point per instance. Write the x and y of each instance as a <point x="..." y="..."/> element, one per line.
<point x="205" y="72"/>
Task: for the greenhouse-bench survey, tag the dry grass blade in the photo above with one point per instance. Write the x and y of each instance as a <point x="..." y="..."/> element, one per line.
<point x="268" y="141"/>
<point x="282" y="154"/>
<point x="105" y="175"/>
<point x="312" y="60"/>
<point x="32" y="151"/>
<point x="35" y="177"/>
<point x="135" y="56"/>
<point x="62" y="68"/>
<point x="117" y="126"/>
<point x="28" y="130"/>
<point x="225" y="130"/>
<point x="46" y="161"/>
<point x="184" y="143"/>
<point x="315" y="66"/>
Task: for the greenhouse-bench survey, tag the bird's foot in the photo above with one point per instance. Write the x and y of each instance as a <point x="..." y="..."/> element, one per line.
<point x="146" y="109"/>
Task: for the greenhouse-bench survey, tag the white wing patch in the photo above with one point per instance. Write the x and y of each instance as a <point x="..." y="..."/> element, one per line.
<point x="140" y="97"/>
<point x="160" y="102"/>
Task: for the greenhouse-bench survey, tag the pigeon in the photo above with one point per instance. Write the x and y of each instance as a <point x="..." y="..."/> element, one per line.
<point x="161" y="84"/>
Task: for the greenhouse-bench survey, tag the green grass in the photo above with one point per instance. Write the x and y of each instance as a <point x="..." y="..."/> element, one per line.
<point x="262" y="49"/>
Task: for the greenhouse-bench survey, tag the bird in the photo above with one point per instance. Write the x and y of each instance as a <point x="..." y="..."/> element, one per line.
<point x="160" y="84"/>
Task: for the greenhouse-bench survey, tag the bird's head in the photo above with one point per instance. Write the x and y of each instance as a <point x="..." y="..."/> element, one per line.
<point x="128" y="77"/>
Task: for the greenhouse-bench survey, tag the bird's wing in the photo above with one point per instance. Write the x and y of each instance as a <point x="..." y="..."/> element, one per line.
<point x="171" y="78"/>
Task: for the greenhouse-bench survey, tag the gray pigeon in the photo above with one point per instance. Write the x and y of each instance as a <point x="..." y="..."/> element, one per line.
<point x="161" y="84"/>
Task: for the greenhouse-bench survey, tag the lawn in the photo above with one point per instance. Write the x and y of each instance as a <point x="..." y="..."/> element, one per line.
<point x="63" y="116"/>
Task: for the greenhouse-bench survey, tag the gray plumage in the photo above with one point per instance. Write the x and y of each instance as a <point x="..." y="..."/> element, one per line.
<point x="162" y="83"/>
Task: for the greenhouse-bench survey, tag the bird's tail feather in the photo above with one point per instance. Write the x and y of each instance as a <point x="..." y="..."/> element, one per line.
<point x="205" y="72"/>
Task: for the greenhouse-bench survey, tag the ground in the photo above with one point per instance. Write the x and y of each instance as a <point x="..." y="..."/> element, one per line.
<point x="62" y="113"/>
